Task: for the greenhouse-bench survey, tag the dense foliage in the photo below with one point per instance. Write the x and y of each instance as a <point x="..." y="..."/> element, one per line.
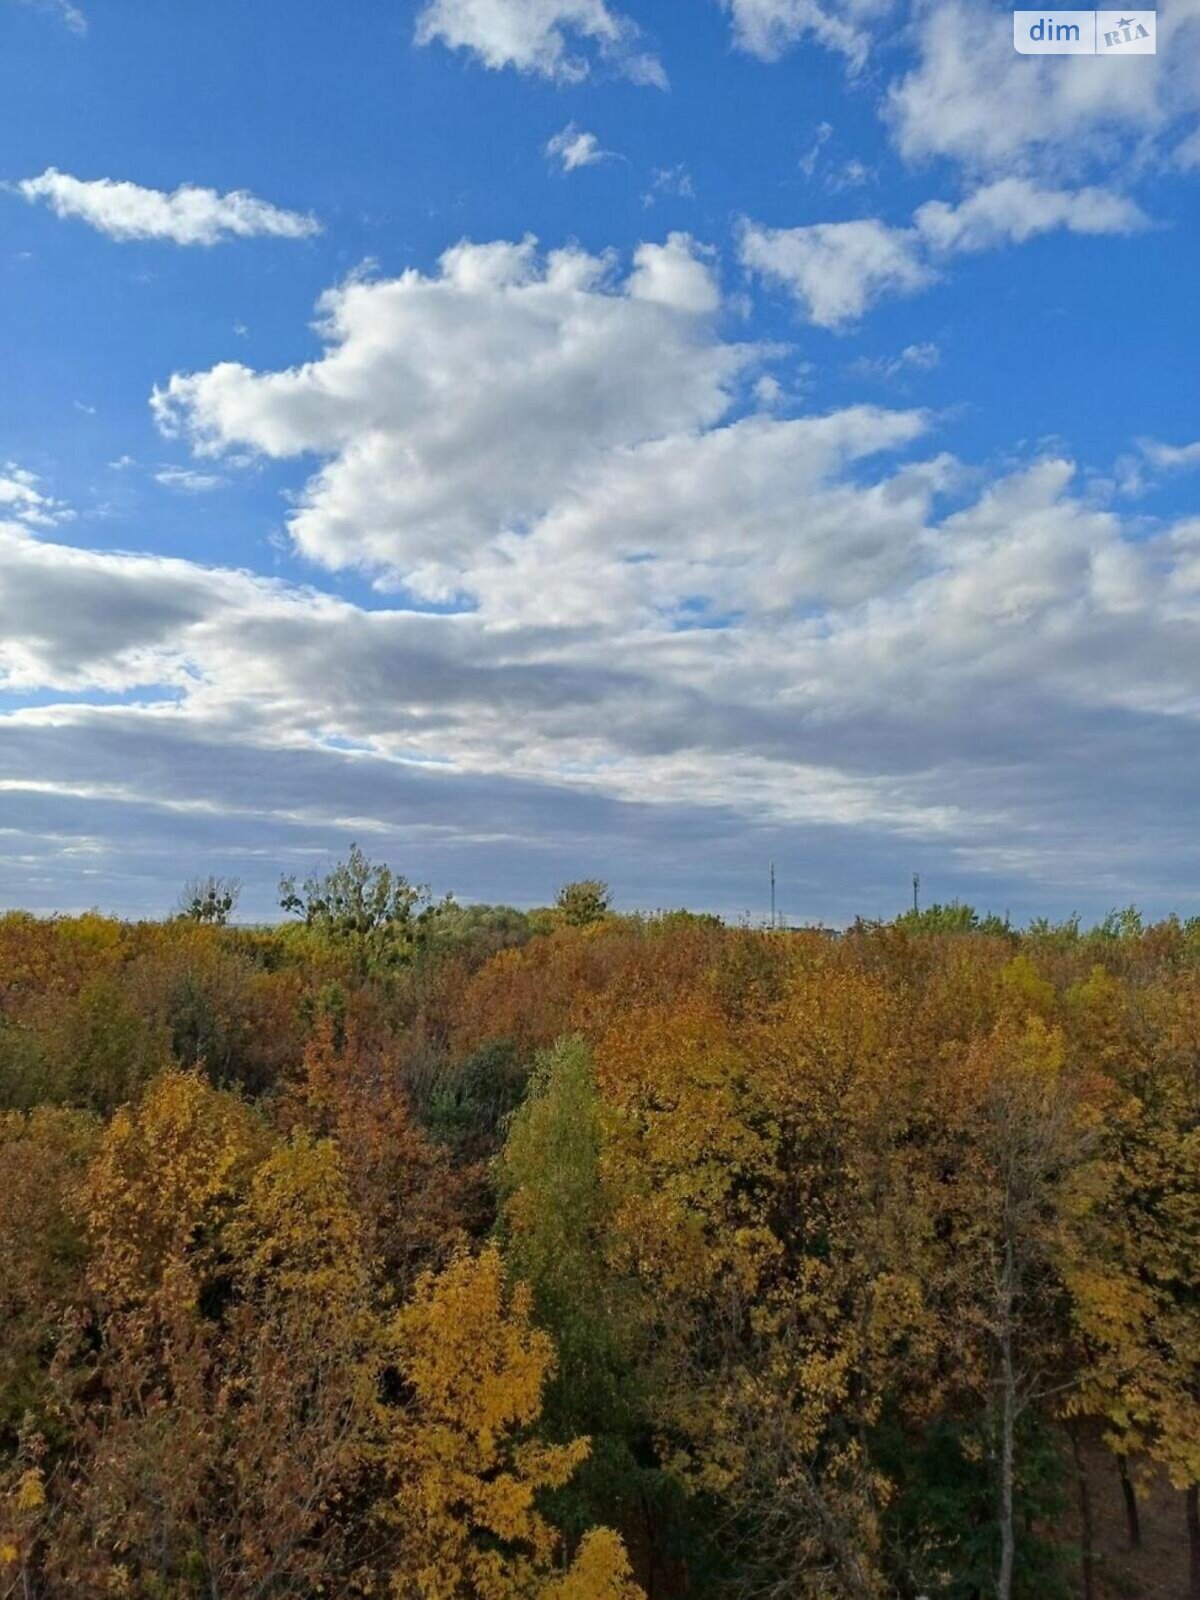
<point x="463" y="1254"/>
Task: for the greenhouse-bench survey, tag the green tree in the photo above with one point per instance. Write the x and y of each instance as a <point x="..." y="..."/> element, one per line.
<point x="554" y="1223"/>
<point x="364" y="904"/>
<point x="585" y="901"/>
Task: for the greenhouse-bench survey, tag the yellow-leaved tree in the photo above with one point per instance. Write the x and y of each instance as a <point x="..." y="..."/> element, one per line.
<point x="168" y="1172"/>
<point x="223" y="1397"/>
<point x="747" y="1157"/>
<point x="1136" y="1278"/>
<point x="467" y="1468"/>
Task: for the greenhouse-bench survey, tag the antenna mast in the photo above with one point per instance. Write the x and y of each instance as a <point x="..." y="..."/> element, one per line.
<point x="916" y="893"/>
<point x="773" y="923"/>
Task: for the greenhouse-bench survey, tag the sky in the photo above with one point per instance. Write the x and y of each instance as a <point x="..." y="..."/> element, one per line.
<point x="636" y="438"/>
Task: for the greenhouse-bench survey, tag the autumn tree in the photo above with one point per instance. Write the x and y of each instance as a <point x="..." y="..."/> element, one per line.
<point x="44" y="1154"/>
<point x="1136" y="1277"/>
<point x="412" y="1204"/>
<point x="467" y="1465"/>
<point x="1020" y="1132"/>
<point x="730" y="1212"/>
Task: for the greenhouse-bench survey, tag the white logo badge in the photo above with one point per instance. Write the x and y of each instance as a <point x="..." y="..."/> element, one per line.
<point x="1055" y="33"/>
<point x="1084" y="33"/>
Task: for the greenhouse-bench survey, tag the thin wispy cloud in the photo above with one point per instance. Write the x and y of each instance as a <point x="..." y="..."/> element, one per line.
<point x="1171" y="457"/>
<point x="769" y="28"/>
<point x="70" y="15"/>
<point x="188" y="480"/>
<point x="188" y="215"/>
<point x="913" y="358"/>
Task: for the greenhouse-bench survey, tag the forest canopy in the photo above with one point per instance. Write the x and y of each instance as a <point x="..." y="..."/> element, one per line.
<point x="462" y="1253"/>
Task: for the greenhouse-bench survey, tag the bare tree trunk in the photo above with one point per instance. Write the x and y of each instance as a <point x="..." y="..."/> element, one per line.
<point x="845" y="1558"/>
<point x="1132" y="1515"/>
<point x="1192" y="1503"/>
<point x="1008" y="1403"/>
<point x="1008" y="1425"/>
<point x="1087" y="1528"/>
<point x="649" y="1522"/>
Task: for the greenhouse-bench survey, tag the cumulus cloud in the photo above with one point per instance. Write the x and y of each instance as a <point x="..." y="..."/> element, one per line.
<point x="836" y="270"/>
<point x="187" y="215"/>
<point x="662" y="617"/>
<point x="971" y="97"/>
<point x="1012" y="210"/>
<point x="573" y="147"/>
<point x="451" y="406"/>
<point x="540" y="36"/>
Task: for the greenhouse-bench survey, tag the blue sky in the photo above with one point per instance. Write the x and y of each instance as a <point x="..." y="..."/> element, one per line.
<point x="545" y="437"/>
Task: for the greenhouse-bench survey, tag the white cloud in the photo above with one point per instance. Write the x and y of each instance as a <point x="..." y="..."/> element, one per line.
<point x="664" y="617"/>
<point x="768" y="391"/>
<point x="1012" y="210"/>
<point x="821" y="137"/>
<point x="187" y="215"/>
<point x="71" y="15"/>
<point x="452" y="406"/>
<point x="673" y="181"/>
<point x="21" y="498"/>
<point x="188" y="479"/>
<point x="533" y="36"/>
<point x="852" y="174"/>
<point x="760" y="624"/>
<point x="913" y="358"/>
<point x="709" y="522"/>
<point x="973" y="98"/>
<point x="83" y="618"/>
<point x="675" y="275"/>
<point x="1171" y="456"/>
<point x="835" y="270"/>
<point x="573" y="147"/>
<point x="768" y="28"/>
